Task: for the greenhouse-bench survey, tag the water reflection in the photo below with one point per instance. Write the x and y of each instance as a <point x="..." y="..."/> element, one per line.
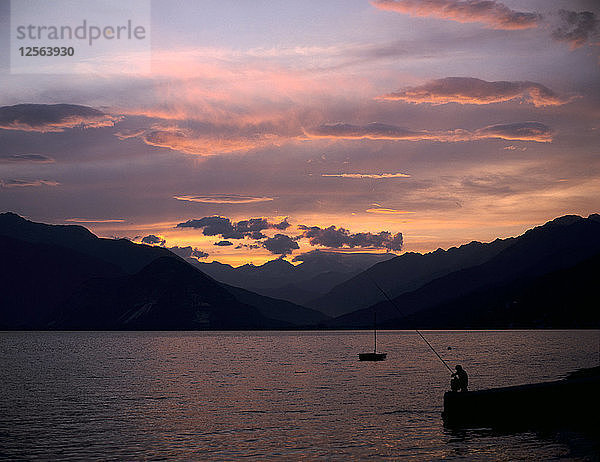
<point x="265" y="395"/>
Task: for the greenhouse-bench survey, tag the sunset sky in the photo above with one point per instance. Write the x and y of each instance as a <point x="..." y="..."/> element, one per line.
<point x="264" y="124"/>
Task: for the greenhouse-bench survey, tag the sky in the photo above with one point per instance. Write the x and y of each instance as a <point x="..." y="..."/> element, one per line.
<point x="270" y="129"/>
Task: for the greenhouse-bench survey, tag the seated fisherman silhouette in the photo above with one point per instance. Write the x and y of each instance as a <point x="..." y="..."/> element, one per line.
<point x="460" y="380"/>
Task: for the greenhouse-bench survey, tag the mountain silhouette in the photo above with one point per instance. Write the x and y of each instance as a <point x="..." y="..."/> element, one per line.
<point x="559" y="245"/>
<point x="126" y="255"/>
<point x="563" y="299"/>
<point x="317" y="273"/>
<point x="279" y="309"/>
<point x="56" y="276"/>
<point x="167" y="294"/>
<point x="402" y="274"/>
<point x="64" y="277"/>
<point x="35" y="278"/>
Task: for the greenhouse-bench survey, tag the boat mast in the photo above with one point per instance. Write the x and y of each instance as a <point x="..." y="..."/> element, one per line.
<point x="374" y="331"/>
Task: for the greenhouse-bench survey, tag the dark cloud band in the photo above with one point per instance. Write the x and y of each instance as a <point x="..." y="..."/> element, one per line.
<point x="19" y="183"/>
<point x="339" y="237"/>
<point x="52" y="117"/>
<point x="25" y="158"/>
<point x="224" y="227"/>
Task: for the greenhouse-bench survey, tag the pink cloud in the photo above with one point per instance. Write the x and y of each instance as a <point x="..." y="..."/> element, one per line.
<point x="522" y="131"/>
<point x="494" y="15"/>
<point x="206" y="144"/>
<point x="468" y="90"/>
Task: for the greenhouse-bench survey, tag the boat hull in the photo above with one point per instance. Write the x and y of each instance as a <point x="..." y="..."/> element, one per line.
<point x="372" y="356"/>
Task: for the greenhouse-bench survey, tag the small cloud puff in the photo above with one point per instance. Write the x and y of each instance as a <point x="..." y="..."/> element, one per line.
<point x="151" y="239"/>
<point x="223" y="243"/>
<point x="280" y="244"/>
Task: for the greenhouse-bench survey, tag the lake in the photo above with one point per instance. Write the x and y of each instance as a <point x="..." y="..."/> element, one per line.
<point x="270" y="395"/>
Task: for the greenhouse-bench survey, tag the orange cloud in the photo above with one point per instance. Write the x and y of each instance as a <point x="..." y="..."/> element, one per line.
<point x="468" y="90"/>
<point x="493" y="14"/>
<point x="523" y="131"/>
<point x="388" y="211"/>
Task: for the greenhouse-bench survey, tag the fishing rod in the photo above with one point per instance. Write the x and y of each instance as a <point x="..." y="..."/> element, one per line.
<point x="404" y="315"/>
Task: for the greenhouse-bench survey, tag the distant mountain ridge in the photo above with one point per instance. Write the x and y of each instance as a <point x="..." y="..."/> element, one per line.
<point x="57" y="276"/>
<point x="410" y="271"/>
<point x="559" y="245"/>
<point x="317" y="273"/>
<point x="37" y="277"/>
<point x="167" y="294"/>
<point x="560" y="299"/>
<point x="64" y="277"/>
<point x="129" y="257"/>
<point x="402" y="274"/>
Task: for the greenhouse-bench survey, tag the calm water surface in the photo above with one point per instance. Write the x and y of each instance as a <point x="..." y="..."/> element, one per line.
<point x="269" y="395"/>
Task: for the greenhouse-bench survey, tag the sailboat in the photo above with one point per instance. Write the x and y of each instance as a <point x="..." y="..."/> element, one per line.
<point x="374" y="356"/>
